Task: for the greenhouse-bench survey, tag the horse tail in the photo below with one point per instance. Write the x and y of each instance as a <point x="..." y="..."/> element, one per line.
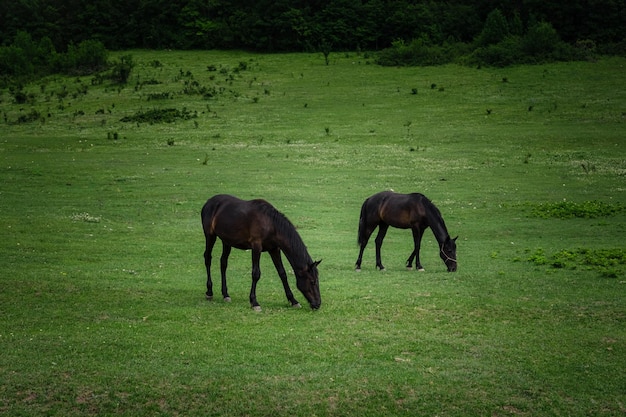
<point x="362" y="238"/>
<point x="207" y="213"/>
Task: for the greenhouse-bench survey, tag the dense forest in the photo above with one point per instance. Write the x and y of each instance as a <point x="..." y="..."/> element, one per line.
<point x="40" y="37"/>
<point x="299" y="25"/>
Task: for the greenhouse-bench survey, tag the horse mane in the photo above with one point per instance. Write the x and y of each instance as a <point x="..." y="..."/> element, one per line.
<point x="286" y="228"/>
<point x="435" y="220"/>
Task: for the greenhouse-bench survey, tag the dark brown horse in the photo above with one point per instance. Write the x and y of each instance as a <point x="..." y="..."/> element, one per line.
<point x="258" y="226"/>
<point x="404" y="211"/>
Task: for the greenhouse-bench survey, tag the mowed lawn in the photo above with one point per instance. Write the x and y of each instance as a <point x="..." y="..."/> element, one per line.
<point x="102" y="280"/>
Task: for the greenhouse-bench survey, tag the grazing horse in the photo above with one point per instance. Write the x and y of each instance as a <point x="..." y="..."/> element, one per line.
<point x="258" y="226"/>
<point x="404" y="211"/>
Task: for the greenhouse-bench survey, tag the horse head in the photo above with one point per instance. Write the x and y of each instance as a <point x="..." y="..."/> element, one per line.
<point x="447" y="251"/>
<point x="308" y="283"/>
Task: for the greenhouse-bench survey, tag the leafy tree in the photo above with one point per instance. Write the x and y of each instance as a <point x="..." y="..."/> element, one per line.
<point x="541" y="40"/>
<point x="13" y="62"/>
<point x="88" y="57"/>
<point x="496" y="29"/>
<point x="26" y="57"/>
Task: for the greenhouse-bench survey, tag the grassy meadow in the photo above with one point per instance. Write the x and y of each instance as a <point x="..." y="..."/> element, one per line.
<point x="102" y="280"/>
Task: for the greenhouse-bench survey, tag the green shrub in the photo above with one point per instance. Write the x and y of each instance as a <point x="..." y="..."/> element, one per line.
<point x="26" y="59"/>
<point x="88" y="57"/>
<point x="420" y="52"/>
<point x="502" y="54"/>
<point x="13" y="62"/>
<point x="31" y="116"/>
<point x="609" y="262"/>
<point x="19" y="96"/>
<point x="541" y="41"/>
<point x="160" y="116"/>
<point x="121" y="69"/>
<point x="570" y="209"/>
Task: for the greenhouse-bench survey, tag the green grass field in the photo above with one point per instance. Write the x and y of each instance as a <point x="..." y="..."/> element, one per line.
<point x="102" y="280"/>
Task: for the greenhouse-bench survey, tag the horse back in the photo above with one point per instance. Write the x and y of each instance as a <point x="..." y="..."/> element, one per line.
<point x="403" y="211"/>
<point x="239" y="223"/>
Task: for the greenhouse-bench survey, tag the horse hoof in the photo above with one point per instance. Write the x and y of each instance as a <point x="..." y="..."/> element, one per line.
<point x="227" y="299"/>
<point x="296" y="305"/>
<point x="357" y="269"/>
<point x="209" y="298"/>
<point x="421" y="270"/>
<point x="409" y="268"/>
<point x="256" y="308"/>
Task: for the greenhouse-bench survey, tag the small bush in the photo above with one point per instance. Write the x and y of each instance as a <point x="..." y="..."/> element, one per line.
<point x="420" y="52"/>
<point x="121" y="69"/>
<point x="570" y="209"/>
<point x="502" y="54"/>
<point x="88" y="57"/>
<point x="19" y="96"/>
<point x="159" y="96"/>
<point x="160" y="116"/>
<point x="610" y="263"/>
<point x="31" y="116"/>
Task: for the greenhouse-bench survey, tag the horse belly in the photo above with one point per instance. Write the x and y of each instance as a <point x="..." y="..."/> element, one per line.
<point x="399" y="225"/>
<point x="398" y="219"/>
<point x="233" y="232"/>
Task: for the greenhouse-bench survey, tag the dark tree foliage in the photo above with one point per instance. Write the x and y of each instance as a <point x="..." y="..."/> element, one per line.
<point x="26" y="58"/>
<point x="296" y="25"/>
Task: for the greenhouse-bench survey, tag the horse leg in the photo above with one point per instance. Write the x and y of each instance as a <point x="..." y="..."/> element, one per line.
<point x="223" y="265"/>
<point x="278" y="263"/>
<point x="409" y="262"/>
<point x="362" y="245"/>
<point x="210" y="241"/>
<point x="382" y="231"/>
<point x="357" y="266"/>
<point x="417" y="242"/>
<point x="256" y="276"/>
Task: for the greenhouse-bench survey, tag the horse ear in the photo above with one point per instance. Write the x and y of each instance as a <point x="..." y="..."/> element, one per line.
<point x="455" y="239"/>
<point x="316" y="263"/>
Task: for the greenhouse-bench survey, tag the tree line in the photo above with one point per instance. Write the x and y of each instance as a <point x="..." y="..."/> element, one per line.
<point x="298" y="25"/>
<point x="42" y="37"/>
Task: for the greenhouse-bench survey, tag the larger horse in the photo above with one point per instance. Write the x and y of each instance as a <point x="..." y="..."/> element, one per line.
<point x="258" y="226"/>
<point x="404" y="211"/>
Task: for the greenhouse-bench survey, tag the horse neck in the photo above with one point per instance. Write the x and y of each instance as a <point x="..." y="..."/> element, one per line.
<point x="295" y="251"/>
<point x="437" y="225"/>
<point x="292" y="245"/>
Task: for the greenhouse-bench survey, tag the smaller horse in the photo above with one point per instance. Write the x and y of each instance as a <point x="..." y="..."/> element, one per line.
<point x="404" y="211"/>
<point x="258" y="226"/>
